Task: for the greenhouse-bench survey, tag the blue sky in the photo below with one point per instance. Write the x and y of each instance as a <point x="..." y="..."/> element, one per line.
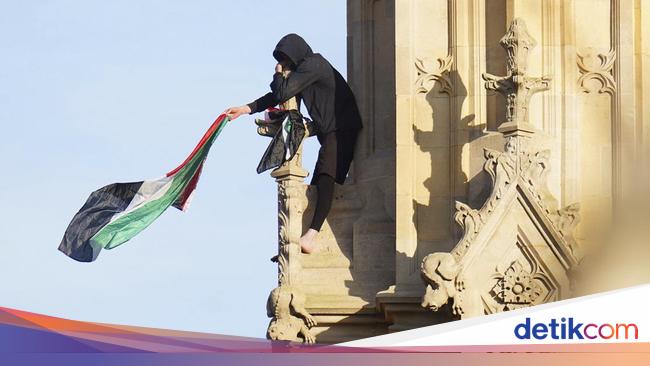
<point x="96" y="92"/>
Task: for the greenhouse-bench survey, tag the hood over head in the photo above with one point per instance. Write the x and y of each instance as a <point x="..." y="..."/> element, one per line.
<point x="294" y="47"/>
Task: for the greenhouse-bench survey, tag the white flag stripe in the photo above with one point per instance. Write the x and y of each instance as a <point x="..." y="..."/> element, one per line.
<point x="150" y="190"/>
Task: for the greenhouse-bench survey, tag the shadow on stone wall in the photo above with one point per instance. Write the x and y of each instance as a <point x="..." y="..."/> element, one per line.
<point x="448" y="183"/>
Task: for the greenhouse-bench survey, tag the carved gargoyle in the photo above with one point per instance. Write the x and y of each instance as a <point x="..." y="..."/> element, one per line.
<point x="286" y="307"/>
<point x="440" y="272"/>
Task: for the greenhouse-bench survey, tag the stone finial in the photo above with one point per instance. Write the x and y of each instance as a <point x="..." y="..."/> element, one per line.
<point x="518" y="43"/>
<point x="517" y="87"/>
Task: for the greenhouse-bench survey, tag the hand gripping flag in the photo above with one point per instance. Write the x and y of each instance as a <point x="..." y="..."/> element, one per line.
<point x="114" y="214"/>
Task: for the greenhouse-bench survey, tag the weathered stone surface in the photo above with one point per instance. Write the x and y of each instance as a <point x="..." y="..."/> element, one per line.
<point x="497" y="198"/>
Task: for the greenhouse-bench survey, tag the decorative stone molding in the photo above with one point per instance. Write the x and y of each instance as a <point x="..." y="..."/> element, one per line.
<point x="519" y="225"/>
<point x="291" y="200"/>
<point x="470" y="221"/>
<point x="519" y="283"/>
<point x="596" y="67"/>
<point x="529" y="172"/>
<point x="516" y="287"/>
<point x="426" y="78"/>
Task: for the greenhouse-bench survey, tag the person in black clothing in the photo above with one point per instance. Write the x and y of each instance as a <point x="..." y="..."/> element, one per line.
<point x="331" y="105"/>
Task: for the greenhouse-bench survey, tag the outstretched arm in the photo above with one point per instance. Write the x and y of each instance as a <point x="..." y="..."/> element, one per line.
<point x="262" y="103"/>
<point x="234" y="112"/>
<point x="258" y="105"/>
<point x="283" y="88"/>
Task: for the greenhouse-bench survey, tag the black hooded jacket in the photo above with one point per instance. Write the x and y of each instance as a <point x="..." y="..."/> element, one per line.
<point x="314" y="80"/>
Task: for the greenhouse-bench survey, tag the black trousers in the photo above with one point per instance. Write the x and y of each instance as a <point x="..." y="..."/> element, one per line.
<point x="335" y="154"/>
<point x="333" y="163"/>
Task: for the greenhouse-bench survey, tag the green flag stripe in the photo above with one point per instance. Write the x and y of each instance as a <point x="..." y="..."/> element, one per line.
<point x="126" y="227"/>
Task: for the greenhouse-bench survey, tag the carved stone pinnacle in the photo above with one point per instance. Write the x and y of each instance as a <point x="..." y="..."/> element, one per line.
<point x="517" y="87"/>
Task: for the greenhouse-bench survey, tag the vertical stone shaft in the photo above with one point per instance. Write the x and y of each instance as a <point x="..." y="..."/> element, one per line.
<point x="289" y="177"/>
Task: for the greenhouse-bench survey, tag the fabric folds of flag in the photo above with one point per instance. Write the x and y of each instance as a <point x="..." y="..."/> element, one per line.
<point x="117" y="212"/>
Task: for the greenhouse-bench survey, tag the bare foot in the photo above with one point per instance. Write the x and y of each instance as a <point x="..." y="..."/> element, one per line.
<point x="307" y="244"/>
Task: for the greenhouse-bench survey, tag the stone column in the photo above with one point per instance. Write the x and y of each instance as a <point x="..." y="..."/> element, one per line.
<point x="286" y="304"/>
<point x="289" y="177"/>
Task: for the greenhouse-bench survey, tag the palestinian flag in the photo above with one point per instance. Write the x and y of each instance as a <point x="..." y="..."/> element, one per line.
<point x="117" y="212"/>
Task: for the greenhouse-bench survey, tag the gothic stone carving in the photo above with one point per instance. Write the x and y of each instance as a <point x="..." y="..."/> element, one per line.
<point x="426" y="77"/>
<point x="519" y="198"/>
<point x="516" y="286"/>
<point x="440" y="273"/>
<point x="529" y="171"/>
<point x="286" y="307"/>
<point x="514" y="173"/>
<point x="470" y="221"/>
<point x="286" y="304"/>
<point x="596" y="67"/>
<point x="516" y="87"/>
<point x="291" y="203"/>
<point x="519" y="282"/>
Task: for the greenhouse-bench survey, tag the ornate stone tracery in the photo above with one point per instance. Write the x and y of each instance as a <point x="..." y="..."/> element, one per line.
<point x="516" y="286"/>
<point x="596" y="67"/>
<point x="519" y="283"/>
<point x="426" y="77"/>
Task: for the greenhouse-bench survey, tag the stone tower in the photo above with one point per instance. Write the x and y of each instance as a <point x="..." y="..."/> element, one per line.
<point x="499" y="136"/>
